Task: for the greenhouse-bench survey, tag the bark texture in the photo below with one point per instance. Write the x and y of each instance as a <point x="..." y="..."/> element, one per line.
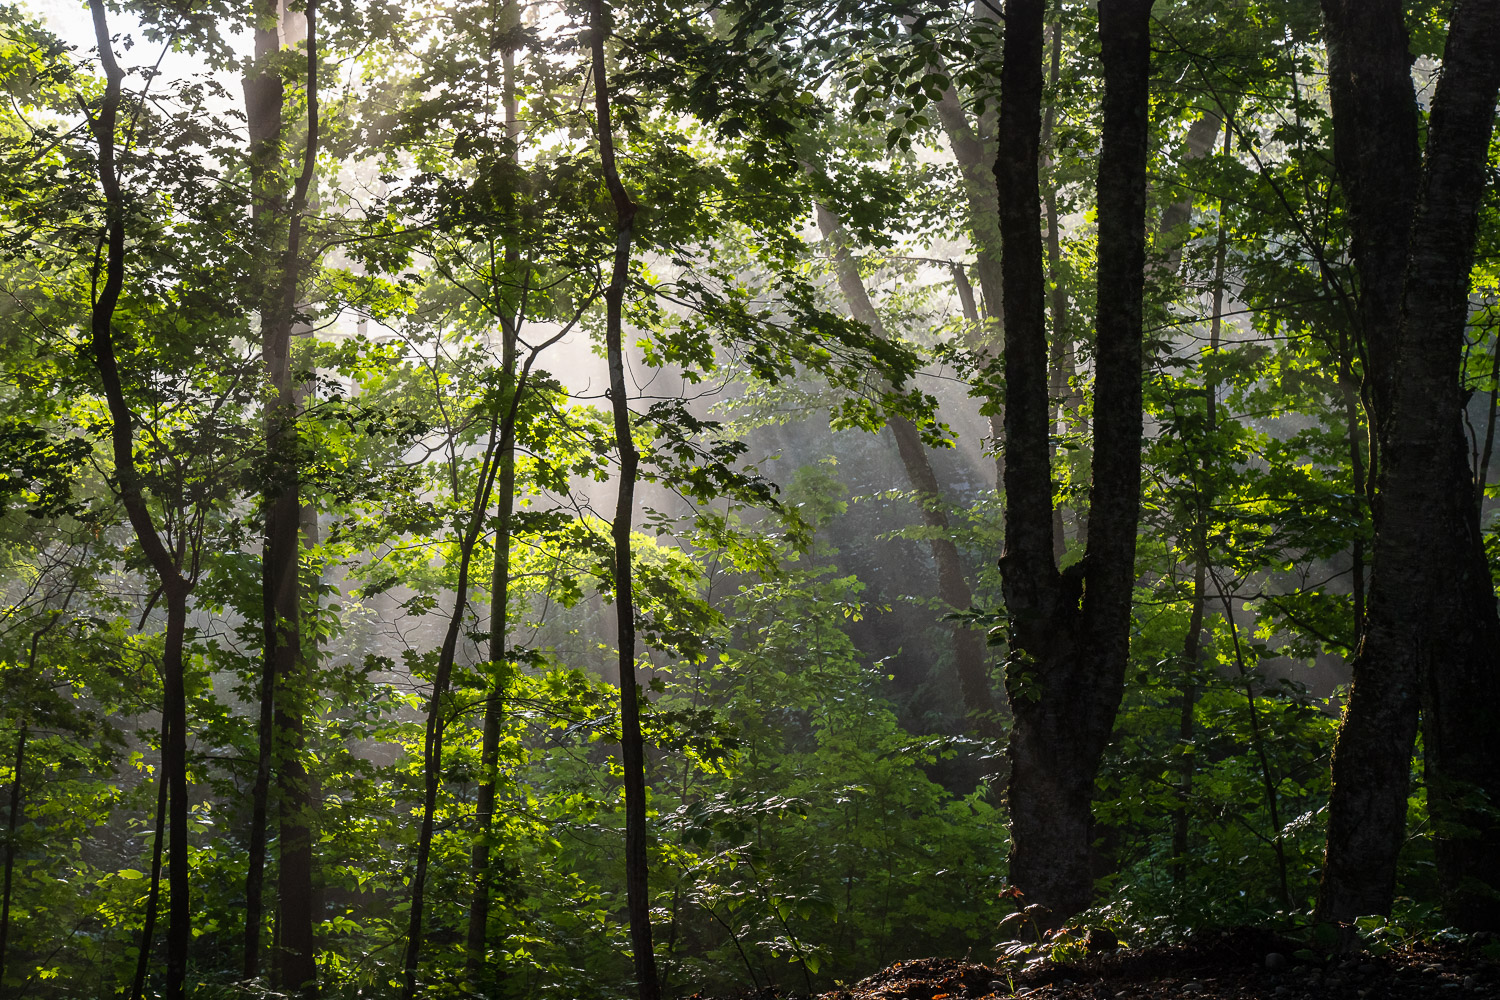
<point x="1432" y="637"/>
<point x="1069" y="631"/>
<point x="632" y="746"/>
<point x="285" y="674"/>
<point x="175" y="586"/>
<point x="974" y="151"/>
<point x="1462" y="676"/>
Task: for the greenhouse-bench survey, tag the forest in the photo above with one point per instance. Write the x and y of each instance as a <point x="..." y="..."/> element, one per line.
<point x="600" y="498"/>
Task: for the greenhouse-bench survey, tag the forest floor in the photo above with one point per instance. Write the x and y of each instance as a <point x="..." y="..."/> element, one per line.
<point x="1244" y="964"/>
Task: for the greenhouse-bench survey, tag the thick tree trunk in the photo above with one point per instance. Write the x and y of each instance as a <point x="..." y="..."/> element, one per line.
<point x="1462" y="673"/>
<point x="1376" y="155"/>
<point x="1069" y="631"/>
<point x="632" y="747"/>
<point x="1378" y="161"/>
<point x="286" y="673"/>
<point x="263" y="102"/>
<point x="1432" y="633"/>
<point x="970" y="653"/>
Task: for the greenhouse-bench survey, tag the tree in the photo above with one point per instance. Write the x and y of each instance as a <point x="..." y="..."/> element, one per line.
<point x="632" y="749"/>
<point x="1432" y="633"/>
<point x="1068" y="630"/>
<point x="284" y="677"/>
<point x="953" y="588"/>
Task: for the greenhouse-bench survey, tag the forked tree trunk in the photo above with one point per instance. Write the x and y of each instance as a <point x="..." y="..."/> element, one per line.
<point x="1069" y="631"/>
<point x="1432" y="635"/>
<point x="632" y="747"/>
<point x="970" y="652"/>
<point x="1462" y="676"/>
<point x="432" y="745"/>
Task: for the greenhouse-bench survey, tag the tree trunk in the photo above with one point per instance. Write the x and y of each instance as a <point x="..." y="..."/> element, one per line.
<point x="477" y="945"/>
<point x="632" y="747"/>
<point x="974" y="153"/>
<point x="1432" y="632"/>
<point x="12" y="822"/>
<point x="1069" y="631"/>
<point x="174" y="766"/>
<point x="174" y="586"/>
<point x="1192" y="645"/>
<point x="970" y="653"/>
<point x="494" y="713"/>
<point x="432" y="747"/>
<point x="1462" y="674"/>
<point x="286" y="674"/>
<point x="263" y="103"/>
<point x="153" y="895"/>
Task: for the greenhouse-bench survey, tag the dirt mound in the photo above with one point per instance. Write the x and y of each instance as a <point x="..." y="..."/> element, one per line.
<point x="1237" y="948"/>
<point x="1239" y="964"/>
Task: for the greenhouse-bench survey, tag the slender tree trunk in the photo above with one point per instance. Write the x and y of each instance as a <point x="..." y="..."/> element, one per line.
<point x="174" y="586"/>
<point x="1068" y="641"/>
<point x="1258" y="745"/>
<point x="432" y="747"/>
<point x="12" y="823"/>
<point x="975" y="152"/>
<point x="477" y="945"/>
<point x="1192" y="664"/>
<point x="494" y="715"/>
<point x="174" y="764"/>
<point x="1205" y="497"/>
<point x="153" y="895"/>
<point x="1432" y="632"/>
<point x="969" y="648"/>
<point x="632" y="747"/>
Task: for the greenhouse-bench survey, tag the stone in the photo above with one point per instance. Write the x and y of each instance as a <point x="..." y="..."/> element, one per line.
<point x="1277" y="962"/>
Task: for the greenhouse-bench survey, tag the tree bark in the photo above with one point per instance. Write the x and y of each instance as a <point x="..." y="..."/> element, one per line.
<point x="153" y="895"/>
<point x="175" y="587"/>
<point x="974" y="151"/>
<point x="969" y="647"/>
<point x="285" y="677"/>
<point x="1462" y="675"/>
<point x="432" y="747"/>
<point x="1432" y="631"/>
<point x="632" y="747"/>
<point x="12" y="822"/>
<point x="477" y="945"/>
<point x="1069" y="631"/>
